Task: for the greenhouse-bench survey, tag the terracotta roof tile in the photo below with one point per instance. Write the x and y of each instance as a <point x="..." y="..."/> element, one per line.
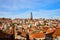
<point x="37" y="35"/>
<point x="49" y="31"/>
<point x="58" y="27"/>
<point x="23" y="33"/>
<point x="56" y="33"/>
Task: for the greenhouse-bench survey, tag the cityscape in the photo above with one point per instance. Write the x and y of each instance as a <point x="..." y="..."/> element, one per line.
<point x="29" y="19"/>
<point x="29" y="29"/>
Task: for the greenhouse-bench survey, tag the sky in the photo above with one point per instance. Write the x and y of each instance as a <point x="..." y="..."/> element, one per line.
<point x="23" y="8"/>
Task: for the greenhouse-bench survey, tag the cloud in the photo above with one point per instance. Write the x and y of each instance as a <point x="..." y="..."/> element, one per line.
<point x="36" y="14"/>
<point x="20" y="8"/>
<point x="47" y="13"/>
<point x="21" y="4"/>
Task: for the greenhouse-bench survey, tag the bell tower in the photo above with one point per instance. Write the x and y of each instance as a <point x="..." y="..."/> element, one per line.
<point x="31" y="17"/>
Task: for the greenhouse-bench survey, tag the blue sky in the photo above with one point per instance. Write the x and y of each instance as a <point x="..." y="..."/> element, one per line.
<point x="22" y="8"/>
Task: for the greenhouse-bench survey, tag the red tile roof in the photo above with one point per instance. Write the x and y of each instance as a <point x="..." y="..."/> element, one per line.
<point x="49" y="31"/>
<point x="23" y="33"/>
<point x="37" y="35"/>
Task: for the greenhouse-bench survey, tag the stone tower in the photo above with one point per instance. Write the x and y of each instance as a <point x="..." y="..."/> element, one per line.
<point x="31" y="17"/>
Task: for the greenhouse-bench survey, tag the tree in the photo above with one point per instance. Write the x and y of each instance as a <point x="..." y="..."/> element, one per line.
<point x="13" y="28"/>
<point x="0" y="23"/>
<point x="13" y="31"/>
